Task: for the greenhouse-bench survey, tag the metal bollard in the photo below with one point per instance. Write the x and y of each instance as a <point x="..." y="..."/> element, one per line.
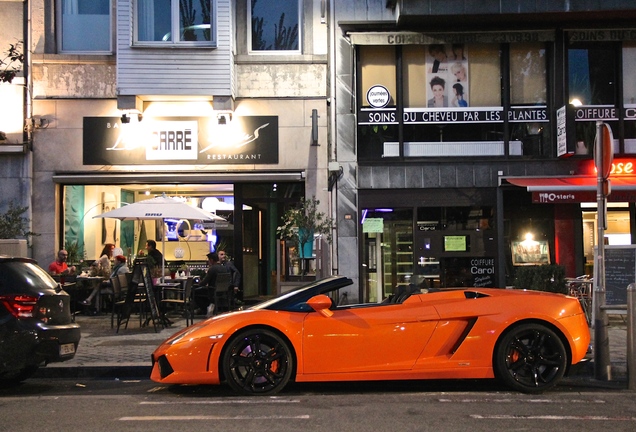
<point x="631" y="342"/>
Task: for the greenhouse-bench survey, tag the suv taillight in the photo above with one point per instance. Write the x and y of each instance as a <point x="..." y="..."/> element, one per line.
<point x="20" y="305"/>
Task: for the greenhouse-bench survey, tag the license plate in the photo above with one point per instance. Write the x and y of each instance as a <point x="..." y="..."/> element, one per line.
<point x="67" y="349"/>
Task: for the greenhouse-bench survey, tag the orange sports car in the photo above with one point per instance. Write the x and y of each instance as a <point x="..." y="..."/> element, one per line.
<point x="528" y="339"/>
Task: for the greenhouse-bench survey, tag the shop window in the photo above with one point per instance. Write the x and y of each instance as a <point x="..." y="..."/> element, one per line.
<point x="388" y="251"/>
<point x="275" y="26"/>
<point x="528" y="78"/>
<point x="372" y="140"/>
<point x="449" y="71"/>
<point x="592" y="74"/>
<point x="377" y="65"/>
<point x="175" y="22"/>
<point x="485" y="72"/>
<point x="629" y="95"/>
<point x="85" y="26"/>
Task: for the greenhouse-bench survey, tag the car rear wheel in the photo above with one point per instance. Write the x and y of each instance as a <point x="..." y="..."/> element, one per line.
<point x="257" y="362"/>
<point x="530" y="358"/>
<point x="13" y="378"/>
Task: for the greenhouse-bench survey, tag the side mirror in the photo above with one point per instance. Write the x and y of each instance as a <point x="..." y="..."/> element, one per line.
<point x="321" y="303"/>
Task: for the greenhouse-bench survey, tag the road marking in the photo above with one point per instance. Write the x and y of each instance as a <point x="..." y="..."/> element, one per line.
<point x="538" y="401"/>
<point x="222" y="402"/>
<point x="211" y="417"/>
<point x="550" y="417"/>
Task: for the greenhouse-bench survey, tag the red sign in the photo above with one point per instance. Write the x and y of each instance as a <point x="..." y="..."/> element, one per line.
<point x="580" y="196"/>
<point x="604" y="153"/>
<point x="619" y="167"/>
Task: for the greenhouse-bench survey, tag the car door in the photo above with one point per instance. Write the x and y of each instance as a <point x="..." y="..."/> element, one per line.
<point x="372" y="337"/>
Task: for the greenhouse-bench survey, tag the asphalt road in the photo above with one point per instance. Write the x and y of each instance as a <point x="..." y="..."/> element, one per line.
<point x="131" y="405"/>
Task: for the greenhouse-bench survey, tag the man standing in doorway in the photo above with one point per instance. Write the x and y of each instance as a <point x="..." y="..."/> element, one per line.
<point x="204" y="292"/>
<point x="236" y="275"/>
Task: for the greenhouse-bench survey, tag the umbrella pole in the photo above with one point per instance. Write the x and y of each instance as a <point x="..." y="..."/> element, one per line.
<point x="163" y="251"/>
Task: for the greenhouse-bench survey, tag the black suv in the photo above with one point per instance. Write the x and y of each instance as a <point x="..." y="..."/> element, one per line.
<point x="36" y="326"/>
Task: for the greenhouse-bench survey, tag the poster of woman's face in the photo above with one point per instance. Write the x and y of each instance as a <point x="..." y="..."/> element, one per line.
<point x="447" y="75"/>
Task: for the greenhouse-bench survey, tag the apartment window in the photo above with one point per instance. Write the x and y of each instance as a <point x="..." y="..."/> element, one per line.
<point x="275" y="26"/>
<point x="175" y="22"/>
<point x="85" y="26"/>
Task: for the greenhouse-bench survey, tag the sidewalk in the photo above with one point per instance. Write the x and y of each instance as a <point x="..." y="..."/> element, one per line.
<point x="102" y="353"/>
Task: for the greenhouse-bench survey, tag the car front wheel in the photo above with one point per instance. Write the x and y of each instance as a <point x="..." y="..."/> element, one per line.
<point x="530" y="358"/>
<point x="257" y="362"/>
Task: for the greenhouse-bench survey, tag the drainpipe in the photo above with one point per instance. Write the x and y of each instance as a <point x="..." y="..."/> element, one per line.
<point x="332" y="133"/>
<point x="27" y="134"/>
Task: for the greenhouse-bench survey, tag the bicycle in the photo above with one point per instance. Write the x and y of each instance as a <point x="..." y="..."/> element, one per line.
<point x="581" y="288"/>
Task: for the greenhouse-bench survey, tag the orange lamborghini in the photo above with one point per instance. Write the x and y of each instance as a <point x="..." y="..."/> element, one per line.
<point x="527" y="339"/>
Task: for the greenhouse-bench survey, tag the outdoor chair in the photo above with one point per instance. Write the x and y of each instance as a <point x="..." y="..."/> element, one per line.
<point x="224" y="300"/>
<point x="118" y="299"/>
<point x="181" y="296"/>
<point x="133" y="299"/>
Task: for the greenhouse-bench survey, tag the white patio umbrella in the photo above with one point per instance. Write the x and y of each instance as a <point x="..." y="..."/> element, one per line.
<point x="160" y="208"/>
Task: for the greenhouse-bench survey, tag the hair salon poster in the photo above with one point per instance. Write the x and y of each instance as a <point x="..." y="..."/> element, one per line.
<point x="249" y="140"/>
<point x="447" y="76"/>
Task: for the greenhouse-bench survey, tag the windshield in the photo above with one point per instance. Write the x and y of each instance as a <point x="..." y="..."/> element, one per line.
<point x="295" y="300"/>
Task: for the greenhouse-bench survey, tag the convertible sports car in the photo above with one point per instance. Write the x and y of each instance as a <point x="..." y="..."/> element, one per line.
<point x="527" y="339"/>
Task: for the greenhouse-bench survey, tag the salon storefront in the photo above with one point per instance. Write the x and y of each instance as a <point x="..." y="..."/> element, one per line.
<point x="449" y="128"/>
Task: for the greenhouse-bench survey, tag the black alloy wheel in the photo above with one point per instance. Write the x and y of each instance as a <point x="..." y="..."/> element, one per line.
<point x="257" y="362"/>
<point x="530" y="358"/>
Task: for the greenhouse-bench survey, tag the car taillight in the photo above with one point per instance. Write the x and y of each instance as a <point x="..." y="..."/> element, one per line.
<point x="20" y="305"/>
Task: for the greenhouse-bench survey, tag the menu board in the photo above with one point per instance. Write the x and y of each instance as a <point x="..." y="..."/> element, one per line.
<point x="620" y="271"/>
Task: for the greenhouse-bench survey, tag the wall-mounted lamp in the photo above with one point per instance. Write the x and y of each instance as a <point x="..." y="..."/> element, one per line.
<point x="314" y="127"/>
<point x="125" y="118"/>
<point x="323" y="11"/>
<point x="335" y="172"/>
<point x="224" y="118"/>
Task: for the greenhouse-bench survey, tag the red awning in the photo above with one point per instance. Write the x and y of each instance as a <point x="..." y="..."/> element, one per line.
<point x="571" y="183"/>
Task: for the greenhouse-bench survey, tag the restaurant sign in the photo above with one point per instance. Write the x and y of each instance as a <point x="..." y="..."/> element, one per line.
<point x="184" y="140"/>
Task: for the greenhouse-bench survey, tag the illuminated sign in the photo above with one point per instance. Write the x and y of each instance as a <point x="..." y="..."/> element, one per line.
<point x="619" y="167"/>
<point x="180" y="140"/>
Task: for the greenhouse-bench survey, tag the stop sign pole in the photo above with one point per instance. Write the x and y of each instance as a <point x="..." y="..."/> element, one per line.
<point x="603" y="158"/>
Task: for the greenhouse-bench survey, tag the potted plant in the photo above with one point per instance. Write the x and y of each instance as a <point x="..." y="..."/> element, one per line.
<point x="15" y="231"/>
<point x="301" y="223"/>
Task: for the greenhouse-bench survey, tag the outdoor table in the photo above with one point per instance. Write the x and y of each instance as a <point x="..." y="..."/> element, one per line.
<point x="89" y="283"/>
<point x="159" y="289"/>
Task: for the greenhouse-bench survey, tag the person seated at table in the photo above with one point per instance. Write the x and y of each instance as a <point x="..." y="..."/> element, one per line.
<point x="156" y="257"/>
<point x="59" y="266"/>
<point x="204" y="291"/>
<point x="105" y="286"/>
<point x="104" y="259"/>
<point x="120" y="267"/>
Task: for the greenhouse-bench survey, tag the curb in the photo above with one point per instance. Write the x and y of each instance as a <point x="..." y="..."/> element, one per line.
<point x="95" y="372"/>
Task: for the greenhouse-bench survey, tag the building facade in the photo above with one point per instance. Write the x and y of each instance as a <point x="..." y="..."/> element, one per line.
<point x="438" y="134"/>
<point x="463" y="126"/>
<point x="221" y="103"/>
